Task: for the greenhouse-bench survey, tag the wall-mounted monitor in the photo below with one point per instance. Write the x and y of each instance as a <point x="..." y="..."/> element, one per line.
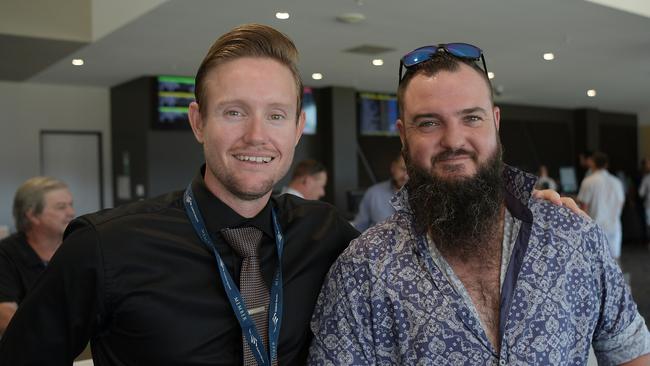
<point x="175" y="93"/>
<point x="568" y="180"/>
<point x="309" y="106"/>
<point x="377" y="114"/>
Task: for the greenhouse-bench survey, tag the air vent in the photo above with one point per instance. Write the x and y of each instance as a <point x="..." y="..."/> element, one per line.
<point x="367" y="49"/>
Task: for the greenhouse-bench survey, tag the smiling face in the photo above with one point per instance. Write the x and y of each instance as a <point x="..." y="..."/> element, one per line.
<point x="449" y="125"/>
<point x="249" y="130"/>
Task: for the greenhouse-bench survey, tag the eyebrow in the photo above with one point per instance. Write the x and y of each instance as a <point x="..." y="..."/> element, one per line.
<point x="462" y="112"/>
<point x="471" y="111"/>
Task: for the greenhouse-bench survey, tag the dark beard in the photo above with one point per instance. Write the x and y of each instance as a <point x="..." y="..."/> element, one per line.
<point x="462" y="215"/>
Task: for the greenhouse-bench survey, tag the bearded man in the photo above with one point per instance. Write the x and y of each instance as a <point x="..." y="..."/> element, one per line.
<point x="471" y="269"/>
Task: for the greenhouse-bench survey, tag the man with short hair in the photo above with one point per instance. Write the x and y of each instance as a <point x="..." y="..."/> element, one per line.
<point x="220" y="274"/>
<point x="42" y="209"/>
<point x="375" y="205"/>
<point x="308" y="180"/>
<point x="471" y="270"/>
<point x="602" y="196"/>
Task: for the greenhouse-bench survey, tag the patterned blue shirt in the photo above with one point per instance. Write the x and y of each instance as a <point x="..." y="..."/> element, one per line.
<point x="388" y="301"/>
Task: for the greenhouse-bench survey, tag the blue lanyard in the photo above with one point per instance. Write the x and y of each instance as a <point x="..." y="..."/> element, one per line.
<point x="245" y="322"/>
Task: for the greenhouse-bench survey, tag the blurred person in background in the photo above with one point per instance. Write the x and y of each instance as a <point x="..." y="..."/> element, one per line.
<point x="644" y="194"/>
<point x="375" y="205"/>
<point x="42" y="210"/>
<point x="602" y="196"/>
<point x="544" y="181"/>
<point x="308" y="180"/>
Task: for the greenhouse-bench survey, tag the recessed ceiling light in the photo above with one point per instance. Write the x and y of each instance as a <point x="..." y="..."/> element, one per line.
<point x="377" y="62"/>
<point x="490" y="75"/>
<point x="282" y="15"/>
<point x="548" y="56"/>
<point x="77" y="62"/>
<point x="591" y="93"/>
<point x="351" y="18"/>
<point x="317" y="76"/>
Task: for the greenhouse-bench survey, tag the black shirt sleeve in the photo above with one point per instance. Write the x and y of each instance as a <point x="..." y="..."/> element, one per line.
<point x="54" y="322"/>
<point x="8" y="279"/>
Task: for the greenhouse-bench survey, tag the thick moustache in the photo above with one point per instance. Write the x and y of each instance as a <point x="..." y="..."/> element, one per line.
<point x="453" y="155"/>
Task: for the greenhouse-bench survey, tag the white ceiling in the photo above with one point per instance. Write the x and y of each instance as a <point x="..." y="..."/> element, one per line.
<point x="595" y="46"/>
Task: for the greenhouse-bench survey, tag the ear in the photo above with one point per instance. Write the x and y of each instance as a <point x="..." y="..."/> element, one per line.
<point x="402" y="130"/>
<point x="33" y="218"/>
<point x="496" y="112"/>
<point x="300" y="127"/>
<point x="196" y="121"/>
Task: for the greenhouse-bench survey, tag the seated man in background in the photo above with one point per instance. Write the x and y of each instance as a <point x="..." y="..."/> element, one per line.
<point x="375" y="205"/>
<point x="42" y="209"/>
<point x="308" y="180"/>
<point x="471" y="270"/>
<point x="602" y="196"/>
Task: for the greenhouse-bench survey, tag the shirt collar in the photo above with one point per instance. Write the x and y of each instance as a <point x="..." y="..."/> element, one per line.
<point x="28" y="254"/>
<point x="518" y="187"/>
<point x="218" y="216"/>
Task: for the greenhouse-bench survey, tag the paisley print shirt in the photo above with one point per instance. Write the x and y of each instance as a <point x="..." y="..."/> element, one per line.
<point x="391" y="299"/>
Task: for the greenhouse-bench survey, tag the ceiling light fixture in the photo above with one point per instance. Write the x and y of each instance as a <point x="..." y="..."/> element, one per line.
<point x="591" y="93"/>
<point x="77" y="62"/>
<point x="317" y="76"/>
<point x="490" y="75"/>
<point x="282" y="15"/>
<point x="351" y="18"/>
<point x="548" y="56"/>
<point x="377" y="62"/>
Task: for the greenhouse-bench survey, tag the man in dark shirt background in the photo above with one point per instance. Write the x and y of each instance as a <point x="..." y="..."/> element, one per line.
<point x="138" y="282"/>
<point x="42" y="209"/>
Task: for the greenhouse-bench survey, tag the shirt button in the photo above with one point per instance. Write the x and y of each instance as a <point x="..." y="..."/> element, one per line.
<point x="502" y="362"/>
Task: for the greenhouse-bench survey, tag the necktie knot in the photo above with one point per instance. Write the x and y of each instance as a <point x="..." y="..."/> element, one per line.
<point x="244" y="240"/>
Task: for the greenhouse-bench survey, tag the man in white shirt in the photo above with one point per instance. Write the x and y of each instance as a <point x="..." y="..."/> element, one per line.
<point x="602" y="196"/>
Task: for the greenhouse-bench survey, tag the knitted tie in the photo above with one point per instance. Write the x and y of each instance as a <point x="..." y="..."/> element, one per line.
<point x="245" y="241"/>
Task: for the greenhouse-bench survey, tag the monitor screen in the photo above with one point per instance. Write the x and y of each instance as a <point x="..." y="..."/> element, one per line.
<point x="377" y="114"/>
<point x="175" y="93"/>
<point x="309" y="107"/>
<point x="568" y="179"/>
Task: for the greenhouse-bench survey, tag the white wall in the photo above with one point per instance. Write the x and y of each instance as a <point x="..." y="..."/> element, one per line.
<point x="28" y="108"/>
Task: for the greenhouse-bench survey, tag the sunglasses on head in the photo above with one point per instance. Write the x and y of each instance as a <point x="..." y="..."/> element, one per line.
<point x="460" y="50"/>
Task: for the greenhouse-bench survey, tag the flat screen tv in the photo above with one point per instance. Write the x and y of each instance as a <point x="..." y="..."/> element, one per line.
<point x="377" y="114"/>
<point x="175" y="93"/>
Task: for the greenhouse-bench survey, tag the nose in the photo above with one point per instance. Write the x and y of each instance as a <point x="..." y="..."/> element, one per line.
<point x="453" y="136"/>
<point x="71" y="212"/>
<point x="255" y="133"/>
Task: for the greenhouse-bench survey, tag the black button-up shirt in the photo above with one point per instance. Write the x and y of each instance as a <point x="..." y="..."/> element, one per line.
<point x="138" y="282"/>
<point x="20" y="266"/>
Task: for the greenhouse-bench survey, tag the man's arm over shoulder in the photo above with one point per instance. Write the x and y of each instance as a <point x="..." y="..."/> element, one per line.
<point x="57" y="317"/>
<point x="342" y="320"/>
